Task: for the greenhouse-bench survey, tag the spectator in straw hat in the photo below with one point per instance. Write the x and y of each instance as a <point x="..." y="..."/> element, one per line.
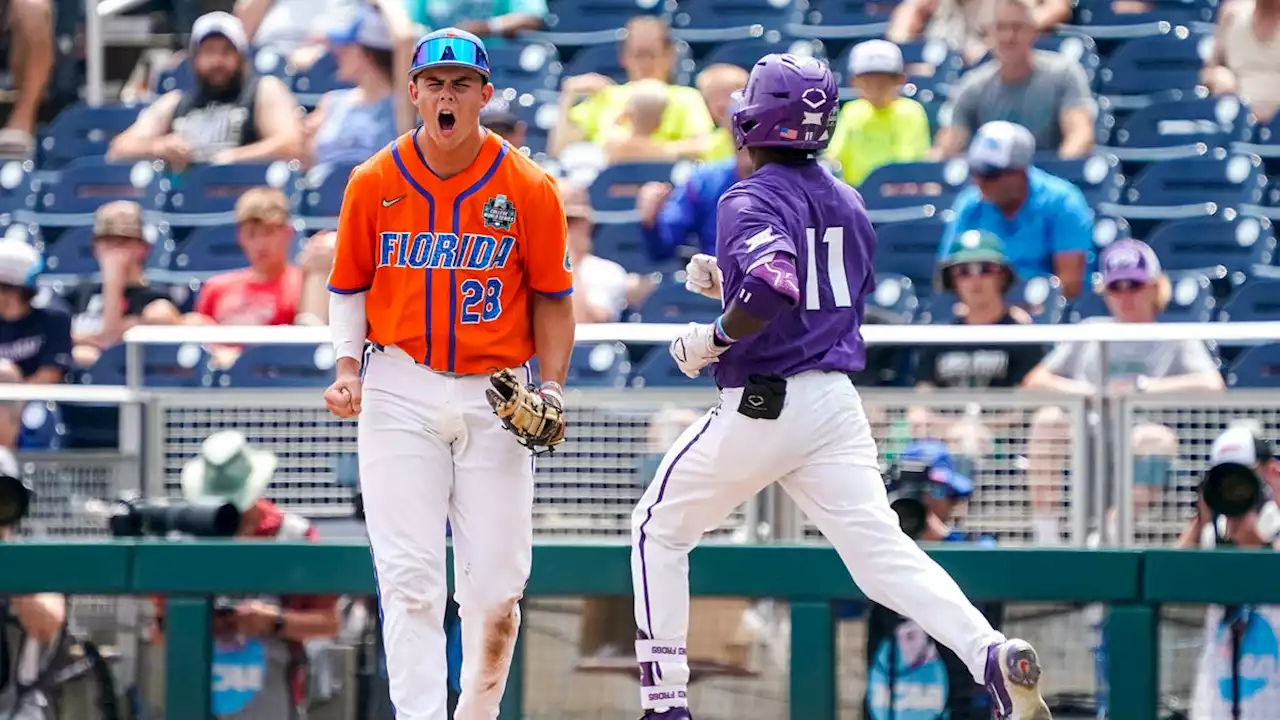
<point x="35" y="329"/>
<point x="603" y="288"/>
<point x="103" y="311"/>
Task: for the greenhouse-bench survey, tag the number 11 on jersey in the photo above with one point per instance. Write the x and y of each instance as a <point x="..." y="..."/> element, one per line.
<point x="836" y="279"/>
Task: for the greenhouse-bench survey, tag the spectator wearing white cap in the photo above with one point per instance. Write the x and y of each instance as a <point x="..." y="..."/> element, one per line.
<point x="232" y="115"/>
<point x="1045" y="221"/>
<point x="881" y="126"/>
<point x="1044" y="91"/>
<point x="292" y="29"/>
<point x="35" y="333"/>
<point x="965" y="24"/>
<point x="350" y="125"/>
<point x="30" y="26"/>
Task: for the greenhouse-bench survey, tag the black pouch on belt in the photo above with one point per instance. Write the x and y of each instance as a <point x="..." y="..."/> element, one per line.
<point x="763" y="396"/>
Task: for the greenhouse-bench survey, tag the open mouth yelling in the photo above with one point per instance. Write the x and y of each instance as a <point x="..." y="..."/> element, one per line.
<point x="446" y="121"/>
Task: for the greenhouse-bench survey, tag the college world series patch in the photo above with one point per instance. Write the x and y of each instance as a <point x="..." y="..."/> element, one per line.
<point x="498" y="213"/>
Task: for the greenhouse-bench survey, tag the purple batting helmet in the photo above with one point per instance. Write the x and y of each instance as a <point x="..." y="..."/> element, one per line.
<point x="789" y="102"/>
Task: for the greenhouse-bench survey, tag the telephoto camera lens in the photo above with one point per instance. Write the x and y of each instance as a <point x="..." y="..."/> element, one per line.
<point x="15" y="500"/>
<point x="1232" y="490"/>
<point x="911" y="516"/>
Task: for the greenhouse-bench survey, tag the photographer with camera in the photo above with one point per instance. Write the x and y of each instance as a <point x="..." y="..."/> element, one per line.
<point x="909" y="676"/>
<point x="1238" y="671"/>
<point x="260" y="663"/>
<point x="33" y="624"/>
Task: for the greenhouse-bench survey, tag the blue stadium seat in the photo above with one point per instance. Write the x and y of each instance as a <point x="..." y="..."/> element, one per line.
<point x="659" y="369"/>
<point x="588" y="22"/>
<point x="840" y="19"/>
<point x="82" y="131"/>
<point x="1189" y="188"/>
<point x="745" y="53"/>
<point x="623" y="243"/>
<point x="71" y="255"/>
<point x="1098" y="19"/>
<point x="604" y="59"/>
<point x="946" y="64"/>
<point x="1223" y="245"/>
<point x="320" y="199"/>
<point x="599" y="365"/>
<point x="670" y="302"/>
<point x="613" y="192"/>
<point x="1261" y="139"/>
<point x="280" y="366"/>
<point x="1256" y="367"/>
<point x="208" y="249"/>
<point x="937" y="309"/>
<point x="1041" y="296"/>
<point x="910" y="249"/>
<point x="184" y="366"/>
<point x="42" y="427"/>
<point x="321" y="77"/>
<point x="1087" y="305"/>
<point x="538" y="118"/>
<point x="703" y="21"/>
<point x="72" y="196"/>
<point x="1148" y="66"/>
<point x="1176" y="128"/>
<point x="526" y="66"/>
<point x="895" y="295"/>
<point x="912" y="191"/>
<point x="1096" y="176"/>
<point x="207" y="194"/>
<point x="1192" y="297"/>
<point x="1255" y="301"/>
<point x="178" y="77"/>
<point x="16" y="189"/>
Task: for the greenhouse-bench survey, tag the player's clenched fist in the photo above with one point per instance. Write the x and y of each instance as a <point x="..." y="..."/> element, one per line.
<point x="702" y="276"/>
<point x="343" y="396"/>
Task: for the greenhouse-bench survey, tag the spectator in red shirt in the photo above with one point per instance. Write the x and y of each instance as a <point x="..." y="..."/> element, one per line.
<point x="256" y="638"/>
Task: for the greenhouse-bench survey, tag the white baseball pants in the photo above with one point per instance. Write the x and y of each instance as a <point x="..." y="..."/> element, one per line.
<point x="821" y="450"/>
<point x="431" y="450"/>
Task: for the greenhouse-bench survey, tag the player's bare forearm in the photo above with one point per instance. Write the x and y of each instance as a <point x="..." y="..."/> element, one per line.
<point x="737" y="323"/>
<point x="348" y="367"/>
<point x="553" y="328"/>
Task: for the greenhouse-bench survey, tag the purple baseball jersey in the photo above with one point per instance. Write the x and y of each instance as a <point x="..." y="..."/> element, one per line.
<point x="804" y="212"/>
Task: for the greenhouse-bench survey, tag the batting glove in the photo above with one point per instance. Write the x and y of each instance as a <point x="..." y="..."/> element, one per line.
<point x="695" y="348"/>
<point x="702" y="276"/>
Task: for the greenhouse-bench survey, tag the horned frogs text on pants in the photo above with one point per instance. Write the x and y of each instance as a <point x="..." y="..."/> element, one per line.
<point x="448" y="265"/>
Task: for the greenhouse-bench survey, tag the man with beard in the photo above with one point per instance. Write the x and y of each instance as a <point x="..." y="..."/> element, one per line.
<point x="231" y="116"/>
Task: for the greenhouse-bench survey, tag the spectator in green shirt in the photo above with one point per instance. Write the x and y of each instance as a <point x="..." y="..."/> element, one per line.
<point x="485" y="18"/>
<point x="595" y="106"/>
<point x="880" y="127"/>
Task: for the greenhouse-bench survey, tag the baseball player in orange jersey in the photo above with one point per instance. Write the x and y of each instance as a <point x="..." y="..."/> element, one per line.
<point x="451" y="260"/>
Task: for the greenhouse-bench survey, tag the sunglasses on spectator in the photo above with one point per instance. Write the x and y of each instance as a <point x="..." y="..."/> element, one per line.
<point x="989" y="174"/>
<point x="976" y="269"/>
<point x="1125" y="286"/>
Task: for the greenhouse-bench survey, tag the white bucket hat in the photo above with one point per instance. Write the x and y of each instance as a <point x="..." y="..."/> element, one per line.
<point x="229" y="471"/>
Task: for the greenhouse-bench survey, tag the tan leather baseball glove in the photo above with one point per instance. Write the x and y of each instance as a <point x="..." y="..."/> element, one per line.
<point x="535" y="416"/>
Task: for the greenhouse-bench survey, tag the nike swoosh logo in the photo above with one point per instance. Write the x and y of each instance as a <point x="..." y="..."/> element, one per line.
<point x="389" y="203"/>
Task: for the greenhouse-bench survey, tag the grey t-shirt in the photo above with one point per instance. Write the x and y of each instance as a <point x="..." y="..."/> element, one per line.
<point x="1057" y="83"/>
<point x="1128" y="360"/>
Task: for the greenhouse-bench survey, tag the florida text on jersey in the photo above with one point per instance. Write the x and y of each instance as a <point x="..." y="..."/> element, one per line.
<point x="449" y="263"/>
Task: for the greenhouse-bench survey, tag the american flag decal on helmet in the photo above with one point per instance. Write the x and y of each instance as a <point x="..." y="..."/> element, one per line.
<point x="788" y="134"/>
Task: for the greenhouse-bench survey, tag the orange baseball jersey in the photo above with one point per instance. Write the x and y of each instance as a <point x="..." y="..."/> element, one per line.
<point x="449" y="264"/>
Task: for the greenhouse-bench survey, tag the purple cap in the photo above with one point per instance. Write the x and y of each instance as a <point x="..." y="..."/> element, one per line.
<point x="1131" y="260"/>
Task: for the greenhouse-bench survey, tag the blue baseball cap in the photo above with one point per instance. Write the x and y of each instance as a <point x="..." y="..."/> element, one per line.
<point x="450" y="47"/>
<point x="936" y="459"/>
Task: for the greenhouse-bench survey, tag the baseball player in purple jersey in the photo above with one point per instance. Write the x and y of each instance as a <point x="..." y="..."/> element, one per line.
<point x="793" y="266"/>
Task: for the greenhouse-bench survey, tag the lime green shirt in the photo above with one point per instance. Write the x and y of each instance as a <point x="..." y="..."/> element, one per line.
<point x="686" y="115"/>
<point x="867" y="137"/>
<point x="721" y="147"/>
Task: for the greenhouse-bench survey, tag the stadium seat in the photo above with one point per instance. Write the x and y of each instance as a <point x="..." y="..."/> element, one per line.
<point x="42" y="427"/>
<point x="1188" y="188"/>
<point x="937" y="309"/>
<point x="208" y="249"/>
<point x="910" y="249"/>
<point x="1222" y="246"/>
<point x="840" y="19"/>
<point x="659" y="369"/>
<point x="912" y="191"/>
<point x="72" y="196"/>
<point x="1176" y="128"/>
<point x="280" y="366"/>
<point x="1099" y="20"/>
<point x="71" y="255"/>
<point x="16" y="194"/>
<point x="945" y="64"/>
<point x="896" y="296"/>
<point x="709" y="21"/>
<point x="1096" y="176"/>
<point x="1087" y="305"/>
<point x="526" y="67"/>
<point x="1041" y="296"/>
<point x="319" y="78"/>
<point x="745" y="53"/>
<point x="178" y="77"/>
<point x="82" y="131"/>
<point x="1145" y="67"/>
<point x="599" y="365"/>
<point x="613" y="192"/>
<point x="321" y="197"/>
<point x="604" y="59"/>
<point x="589" y="22"/>
<point x="207" y="194"/>
<point x="184" y="366"/>
<point x="670" y="302"/>
<point x="1255" y="301"/>
<point x="623" y="243"/>
<point x="1261" y="139"/>
<point x="1256" y="367"/>
<point x="1192" y="297"/>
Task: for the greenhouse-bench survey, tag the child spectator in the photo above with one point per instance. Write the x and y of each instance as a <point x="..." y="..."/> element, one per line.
<point x="35" y="332"/>
<point x="881" y="126"/>
<point x="642" y="115"/>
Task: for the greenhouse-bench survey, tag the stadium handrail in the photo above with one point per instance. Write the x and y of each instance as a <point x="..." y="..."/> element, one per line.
<point x="655" y="333"/>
